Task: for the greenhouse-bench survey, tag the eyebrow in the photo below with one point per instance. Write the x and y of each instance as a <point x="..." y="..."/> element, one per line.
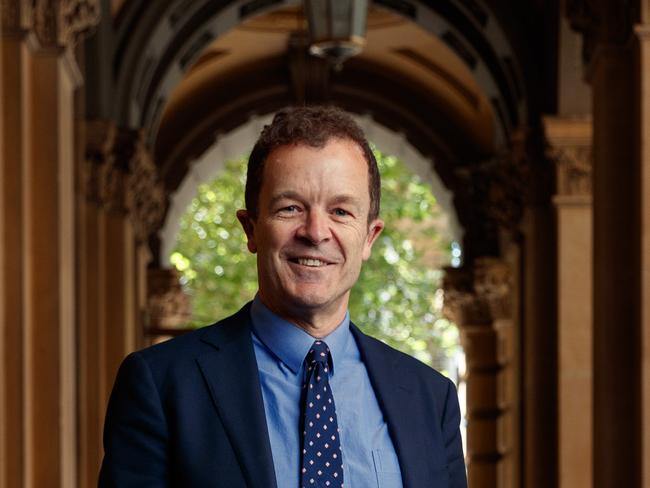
<point x="351" y="199"/>
<point x="293" y="195"/>
<point x="288" y="195"/>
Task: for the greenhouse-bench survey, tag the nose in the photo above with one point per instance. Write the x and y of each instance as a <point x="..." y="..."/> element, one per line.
<point x="315" y="228"/>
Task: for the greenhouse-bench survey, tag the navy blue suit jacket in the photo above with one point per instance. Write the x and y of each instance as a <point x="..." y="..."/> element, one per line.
<point x="189" y="412"/>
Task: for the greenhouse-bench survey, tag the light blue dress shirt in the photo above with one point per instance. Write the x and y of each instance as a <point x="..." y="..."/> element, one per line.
<point x="369" y="458"/>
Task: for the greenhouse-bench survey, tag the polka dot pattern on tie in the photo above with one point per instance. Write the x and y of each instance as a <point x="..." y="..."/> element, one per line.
<point x="322" y="460"/>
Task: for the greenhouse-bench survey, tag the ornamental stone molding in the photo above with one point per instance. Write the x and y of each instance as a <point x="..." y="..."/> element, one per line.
<point x="461" y="304"/>
<point x="601" y="22"/>
<point x="499" y="188"/>
<point x="107" y="160"/>
<point x="147" y="195"/>
<point x="570" y="148"/>
<point x="77" y="18"/>
<point x="573" y="170"/>
<point x="99" y="139"/>
<point x="55" y="23"/>
<point x="10" y="13"/>
<point x="167" y="304"/>
<point x="535" y="171"/>
<point x="121" y="176"/>
<point x="478" y="296"/>
<point x="493" y="284"/>
<point x="42" y="17"/>
<point x="582" y="15"/>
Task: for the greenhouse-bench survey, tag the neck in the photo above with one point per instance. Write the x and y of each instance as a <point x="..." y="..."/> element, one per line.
<point x="316" y="321"/>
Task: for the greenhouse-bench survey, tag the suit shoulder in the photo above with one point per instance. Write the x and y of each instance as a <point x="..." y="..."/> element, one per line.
<point x="189" y="344"/>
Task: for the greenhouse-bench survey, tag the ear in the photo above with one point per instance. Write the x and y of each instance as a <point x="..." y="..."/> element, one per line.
<point x="248" y="224"/>
<point x="374" y="229"/>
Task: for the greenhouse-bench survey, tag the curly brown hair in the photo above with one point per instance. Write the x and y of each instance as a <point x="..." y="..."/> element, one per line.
<point x="313" y="126"/>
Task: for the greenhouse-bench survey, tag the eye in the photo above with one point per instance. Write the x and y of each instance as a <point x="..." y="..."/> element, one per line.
<point x="289" y="209"/>
<point x="339" y="212"/>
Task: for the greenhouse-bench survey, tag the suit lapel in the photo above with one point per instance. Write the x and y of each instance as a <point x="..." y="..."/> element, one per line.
<point x="395" y="396"/>
<point x="231" y="373"/>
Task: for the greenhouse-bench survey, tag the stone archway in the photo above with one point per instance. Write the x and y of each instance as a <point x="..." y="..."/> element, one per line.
<point x="65" y="125"/>
<point x="121" y="183"/>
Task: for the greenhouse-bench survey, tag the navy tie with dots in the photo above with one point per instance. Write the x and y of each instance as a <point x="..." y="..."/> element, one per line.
<point x="322" y="461"/>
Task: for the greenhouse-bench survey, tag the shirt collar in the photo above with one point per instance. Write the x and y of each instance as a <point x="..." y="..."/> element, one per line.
<point x="289" y="343"/>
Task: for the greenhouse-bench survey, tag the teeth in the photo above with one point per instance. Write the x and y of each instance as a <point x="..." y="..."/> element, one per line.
<point x="311" y="262"/>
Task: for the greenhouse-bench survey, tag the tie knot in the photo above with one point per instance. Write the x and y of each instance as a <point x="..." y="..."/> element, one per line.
<point x="318" y="353"/>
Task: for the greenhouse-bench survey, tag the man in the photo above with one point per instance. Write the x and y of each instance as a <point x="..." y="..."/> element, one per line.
<point x="288" y="392"/>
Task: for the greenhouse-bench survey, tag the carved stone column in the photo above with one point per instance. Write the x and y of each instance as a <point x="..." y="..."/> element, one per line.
<point x="537" y="318"/>
<point x="513" y="218"/>
<point x="570" y="148"/>
<point x="122" y="205"/>
<point x="478" y="301"/>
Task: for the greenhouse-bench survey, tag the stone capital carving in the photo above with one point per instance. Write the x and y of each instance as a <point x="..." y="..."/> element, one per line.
<point x="573" y="170"/>
<point x="479" y="295"/>
<point x="59" y="23"/>
<point x="10" y="13"/>
<point x="147" y="195"/>
<point x="493" y="284"/>
<point x="76" y="18"/>
<point x="40" y="17"/>
<point x="108" y="152"/>
<point x="570" y="147"/>
<point x="601" y="22"/>
<point x="168" y="305"/>
<point x="500" y="187"/>
<point x="461" y="304"/>
<point x="583" y="18"/>
<point x="121" y="177"/>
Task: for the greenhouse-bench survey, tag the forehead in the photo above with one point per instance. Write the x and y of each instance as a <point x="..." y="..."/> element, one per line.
<point x="341" y="160"/>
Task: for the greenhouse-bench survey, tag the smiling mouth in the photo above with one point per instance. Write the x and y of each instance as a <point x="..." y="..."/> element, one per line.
<point x="310" y="262"/>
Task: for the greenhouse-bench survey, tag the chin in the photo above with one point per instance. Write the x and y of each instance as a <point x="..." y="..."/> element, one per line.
<point x="309" y="300"/>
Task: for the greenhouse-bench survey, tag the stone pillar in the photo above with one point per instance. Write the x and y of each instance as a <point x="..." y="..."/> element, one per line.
<point x="120" y="204"/>
<point x="514" y="200"/>
<point x="570" y="142"/>
<point x="478" y="301"/>
<point x="617" y="263"/>
<point x="611" y="59"/>
<point x="91" y="294"/>
<point x="537" y="331"/>
<point x="12" y="439"/>
<point x="513" y="219"/>
<point x="643" y="33"/>
<point x="39" y="82"/>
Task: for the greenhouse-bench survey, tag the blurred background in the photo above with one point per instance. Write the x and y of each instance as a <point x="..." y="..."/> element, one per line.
<point x="516" y="188"/>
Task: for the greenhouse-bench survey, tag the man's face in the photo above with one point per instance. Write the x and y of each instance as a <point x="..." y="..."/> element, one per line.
<point x="311" y="233"/>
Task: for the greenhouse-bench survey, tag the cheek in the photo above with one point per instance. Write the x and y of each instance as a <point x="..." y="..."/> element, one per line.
<point x="272" y="240"/>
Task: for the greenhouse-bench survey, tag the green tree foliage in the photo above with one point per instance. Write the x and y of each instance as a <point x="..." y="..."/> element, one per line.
<point x="397" y="298"/>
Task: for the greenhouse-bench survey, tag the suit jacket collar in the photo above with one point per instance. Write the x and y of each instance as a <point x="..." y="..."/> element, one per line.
<point x="394" y="391"/>
<point x="230" y="371"/>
